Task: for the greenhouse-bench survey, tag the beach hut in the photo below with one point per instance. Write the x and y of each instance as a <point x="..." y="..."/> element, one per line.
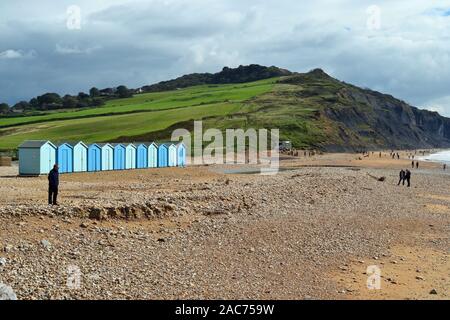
<point x="141" y="156"/>
<point x="64" y="157"/>
<point x="80" y="158"/>
<point x="181" y="154"/>
<point x="172" y="160"/>
<point x="107" y="156"/>
<point x="119" y="156"/>
<point x="163" y="155"/>
<point x="152" y="155"/>
<point x="130" y="156"/>
<point x="36" y="157"/>
<point x="94" y="158"/>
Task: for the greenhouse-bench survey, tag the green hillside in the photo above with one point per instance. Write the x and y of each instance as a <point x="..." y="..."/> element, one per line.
<point x="140" y="114"/>
<point x="312" y="109"/>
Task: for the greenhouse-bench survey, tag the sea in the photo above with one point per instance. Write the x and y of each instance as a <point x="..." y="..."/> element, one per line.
<point x="441" y="156"/>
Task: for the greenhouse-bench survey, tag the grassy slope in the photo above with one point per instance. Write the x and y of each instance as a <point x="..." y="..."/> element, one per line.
<point x="128" y="117"/>
<point x="292" y="104"/>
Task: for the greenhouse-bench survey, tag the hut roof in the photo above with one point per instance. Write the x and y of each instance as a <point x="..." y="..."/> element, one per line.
<point x="35" y="144"/>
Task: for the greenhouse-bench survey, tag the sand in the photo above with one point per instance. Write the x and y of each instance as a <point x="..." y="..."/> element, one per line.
<point x="309" y="232"/>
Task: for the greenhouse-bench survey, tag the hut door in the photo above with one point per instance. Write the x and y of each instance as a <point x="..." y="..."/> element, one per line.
<point x="50" y="160"/>
<point x="65" y="161"/>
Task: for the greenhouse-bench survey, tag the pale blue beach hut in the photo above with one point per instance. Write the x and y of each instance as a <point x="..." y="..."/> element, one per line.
<point x="181" y="155"/>
<point x="36" y="157"/>
<point x="80" y="157"/>
<point x="152" y="155"/>
<point x="130" y="156"/>
<point x="172" y="160"/>
<point x="107" y="156"/>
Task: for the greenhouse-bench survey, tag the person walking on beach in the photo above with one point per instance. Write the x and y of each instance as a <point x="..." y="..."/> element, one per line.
<point x="445" y="167"/>
<point x="398" y="156"/>
<point x="53" y="184"/>
<point x="412" y="164"/>
<point x="402" y="177"/>
<point x="417" y="164"/>
<point x="407" y="178"/>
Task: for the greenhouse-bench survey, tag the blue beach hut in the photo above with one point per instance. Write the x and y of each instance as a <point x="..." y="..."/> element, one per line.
<point x="36" y="157"/>
<point x="94" y="158"/>
<point x="141" y="156"/>
<point x="80" y="157"/>
<point x="163" y="155"/>
<point x="152" y="155"/>
<point x="119" y="156"/>
<point x="107" y="156"/>
<point x="130" y="156"/>
<point x="181" y="154"/>
<point x="64" y="157"/>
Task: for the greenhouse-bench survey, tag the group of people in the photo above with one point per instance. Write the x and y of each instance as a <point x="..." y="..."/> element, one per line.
<point x="405" y="175"/>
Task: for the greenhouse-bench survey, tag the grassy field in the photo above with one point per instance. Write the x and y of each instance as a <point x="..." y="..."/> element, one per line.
<point x="128" y="117"/>
<point x="155" y="101"/>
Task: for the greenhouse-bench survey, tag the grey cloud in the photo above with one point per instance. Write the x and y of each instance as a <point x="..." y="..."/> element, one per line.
<point x="141" y="42"/>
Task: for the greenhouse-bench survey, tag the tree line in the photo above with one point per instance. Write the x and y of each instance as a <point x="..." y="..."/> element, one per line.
<point x="53" y="101"/>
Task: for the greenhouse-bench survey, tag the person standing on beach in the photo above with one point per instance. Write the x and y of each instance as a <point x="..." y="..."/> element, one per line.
<point x="53" y="184"/>
<point x="417" y="164"/>
<point x="445" y="167"/>
<point x="407" y="178"/>
<point x="412" y="164"/>
<point x="402" y="177"/>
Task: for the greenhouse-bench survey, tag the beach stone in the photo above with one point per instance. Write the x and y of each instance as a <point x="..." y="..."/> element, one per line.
<point x="433" y="291"/>
<point x="84" y="225"/>
<point x="46" y="244"/>
<point x="2" y="262"/>
<point x="7" y="293"/>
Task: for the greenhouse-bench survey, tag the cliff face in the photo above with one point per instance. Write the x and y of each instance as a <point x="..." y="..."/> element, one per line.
<point x="375" y="120"/>
<point x="362" y="118"/>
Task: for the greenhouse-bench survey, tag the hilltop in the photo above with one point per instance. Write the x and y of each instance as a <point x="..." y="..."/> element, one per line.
<point x="312" y="109"/>
<point x="240" y="74"/>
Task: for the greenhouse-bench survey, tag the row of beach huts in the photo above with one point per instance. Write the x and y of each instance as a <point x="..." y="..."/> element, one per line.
<point x="37" y="157"/>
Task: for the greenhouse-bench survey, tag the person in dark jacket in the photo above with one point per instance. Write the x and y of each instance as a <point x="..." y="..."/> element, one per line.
<point x="53" y="184"/>
<point x="402" y="177"/>
<point x="408" y="177"/>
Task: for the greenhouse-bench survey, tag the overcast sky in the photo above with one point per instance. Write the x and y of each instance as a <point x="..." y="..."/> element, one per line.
<point x="398" y="47"/>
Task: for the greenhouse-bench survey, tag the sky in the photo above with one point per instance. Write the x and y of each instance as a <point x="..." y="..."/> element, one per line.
<point x="397" y="47"/>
